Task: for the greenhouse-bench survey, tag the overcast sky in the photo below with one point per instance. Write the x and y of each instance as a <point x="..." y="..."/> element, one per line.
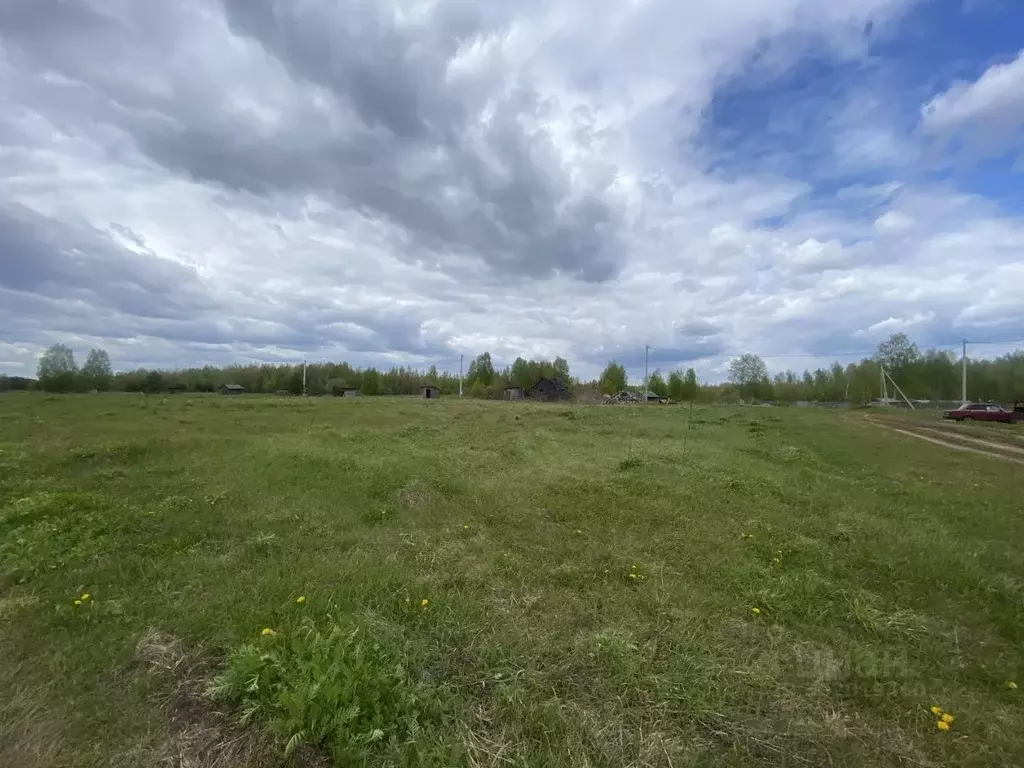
<point x="398" y="182"/>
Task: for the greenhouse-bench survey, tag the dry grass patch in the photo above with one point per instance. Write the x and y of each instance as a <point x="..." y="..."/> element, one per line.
<point x="198" y="734"/>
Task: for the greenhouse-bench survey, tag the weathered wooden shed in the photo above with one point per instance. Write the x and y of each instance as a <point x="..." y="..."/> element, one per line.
<point x="513" y="393"/>
<point x="231" y="389"/>
<point x="429" y="392"/>
<point x="550" y="390"/>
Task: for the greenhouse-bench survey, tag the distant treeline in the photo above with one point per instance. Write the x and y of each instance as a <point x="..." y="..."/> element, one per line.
<point x="935" y="375"/>
<point x="16" y="384"/>
<point x="932" y="375"/>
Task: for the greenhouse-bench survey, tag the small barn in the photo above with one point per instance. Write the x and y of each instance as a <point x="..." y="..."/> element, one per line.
<point x="550" y="390"/>
<point x="346" y="391"/>
<point x="231" y="389"/>
<point x="429" y="392"/>
<point x="513" y="393"/>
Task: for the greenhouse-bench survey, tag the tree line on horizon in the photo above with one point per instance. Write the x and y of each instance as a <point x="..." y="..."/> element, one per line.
<point x="929" y="375"/>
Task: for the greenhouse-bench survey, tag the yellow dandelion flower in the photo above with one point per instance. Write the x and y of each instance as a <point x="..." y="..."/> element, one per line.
<point x="86" y="596"/>
<point x="300" y="599"/>
<point x="1011" y="685"/>
<point x="942" y="725"/>
<point x="78" y="602"/>
<point x="935" y="710"/>
<point x="632" y="567"/>
<point x="756" y="611"/>
<point x="267" y="631"/>
<point x="424" y="602"/>
<point x="947" y="717"/>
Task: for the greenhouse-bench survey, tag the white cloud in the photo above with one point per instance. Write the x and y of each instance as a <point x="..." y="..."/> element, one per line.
<point x="894" y="324"/>
<point x="893" y="221"/>
<point x="814" y="255"/>
<point x="870" y="193"/>
<point x="987" y="115"/>
<point x="997" y="94"/>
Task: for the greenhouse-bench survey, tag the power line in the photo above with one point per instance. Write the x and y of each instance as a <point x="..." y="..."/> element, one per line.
<point x="1017" y="342"/>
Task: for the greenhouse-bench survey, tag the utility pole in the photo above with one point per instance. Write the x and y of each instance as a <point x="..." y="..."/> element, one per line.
<point x="898" y="390"/>
<point x="303" y="378"/>
<point x="460" y="374"/>
<point x="647" y="349"/>
<point x="963" y="374"/>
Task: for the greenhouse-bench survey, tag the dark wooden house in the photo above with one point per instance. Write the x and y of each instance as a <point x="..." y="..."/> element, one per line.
<point x="231" y="389"/>
<point x="428" y="392"/>
<point x="550" y="390"/>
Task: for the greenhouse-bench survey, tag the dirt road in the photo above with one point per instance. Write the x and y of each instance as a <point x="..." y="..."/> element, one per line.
<point x="999" y="433"/>
<point x="948" y="438"/>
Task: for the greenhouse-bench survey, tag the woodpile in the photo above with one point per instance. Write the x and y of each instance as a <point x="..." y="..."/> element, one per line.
<point x="622" y="397"/>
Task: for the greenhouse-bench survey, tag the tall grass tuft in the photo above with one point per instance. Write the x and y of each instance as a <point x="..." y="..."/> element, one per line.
<point x="339" y="690"/>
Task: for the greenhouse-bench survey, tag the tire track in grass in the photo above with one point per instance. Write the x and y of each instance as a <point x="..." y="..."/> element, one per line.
<point x="976" y="430"/>
<point x="954" y="445"/>
<point x="1013" y="449"/>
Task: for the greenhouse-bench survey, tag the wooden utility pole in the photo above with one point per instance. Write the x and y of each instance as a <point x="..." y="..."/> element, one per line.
<point x="897" y="388"/>
<point x="963" y="374"/>
<point x="647" y="350"/>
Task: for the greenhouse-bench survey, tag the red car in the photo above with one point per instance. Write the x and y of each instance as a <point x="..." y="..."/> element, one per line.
<point x="986" y="412"/>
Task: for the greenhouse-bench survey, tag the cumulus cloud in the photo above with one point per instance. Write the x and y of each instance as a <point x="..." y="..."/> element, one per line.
<point x="999" y="91"/>
<point x="904" y="324"/>
<point x="406" y="182"/>
<point x="987" y="113"/>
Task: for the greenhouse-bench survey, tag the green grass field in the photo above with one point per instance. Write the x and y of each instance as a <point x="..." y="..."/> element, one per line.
<point x="592" y="576"/>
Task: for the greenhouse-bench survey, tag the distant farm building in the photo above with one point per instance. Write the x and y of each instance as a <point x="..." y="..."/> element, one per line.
<point x="428" y="392"/>
<point x="652" y="397"/>
<point x="550" y="390"/>
<point x="513" y="393"/>
<point x="345" y="391"/>
<point x="231" y="389"/>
